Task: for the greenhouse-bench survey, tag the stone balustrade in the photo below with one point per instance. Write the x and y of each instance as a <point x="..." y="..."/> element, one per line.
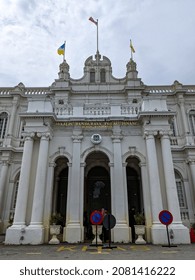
<point x="97" y="109"/>
<point x="130" y="109"/>
<point x="63" y="109"/>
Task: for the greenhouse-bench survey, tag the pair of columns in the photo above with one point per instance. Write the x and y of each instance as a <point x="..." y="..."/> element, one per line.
<point x="74" y="228"/>
<point x="182" y="233"/>
<point x="18" y="232"/>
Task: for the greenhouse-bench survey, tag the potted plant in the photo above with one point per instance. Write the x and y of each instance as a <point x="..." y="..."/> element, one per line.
<point x="140" y="228"/>
<point x="55" y="227"/>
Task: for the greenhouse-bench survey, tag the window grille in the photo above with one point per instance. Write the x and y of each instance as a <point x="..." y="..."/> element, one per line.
<point x="192" y="121"/>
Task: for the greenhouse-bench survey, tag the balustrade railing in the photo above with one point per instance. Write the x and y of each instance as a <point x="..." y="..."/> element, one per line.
<point x="130" y="109"/>
<point x="64" y="109"/>
<point x="96" y="109"/>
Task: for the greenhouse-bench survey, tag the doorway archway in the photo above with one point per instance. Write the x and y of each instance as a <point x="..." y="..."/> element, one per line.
<point x="97" y="190"/>
<point x="60" y="189"/>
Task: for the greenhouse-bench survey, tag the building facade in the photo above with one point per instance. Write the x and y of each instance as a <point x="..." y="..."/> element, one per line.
<point x="96" y="142"/>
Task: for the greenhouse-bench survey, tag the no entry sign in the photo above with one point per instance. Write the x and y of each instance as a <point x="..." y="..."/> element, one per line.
<point x="165" y="217"/>
<point x="96" y="218"/>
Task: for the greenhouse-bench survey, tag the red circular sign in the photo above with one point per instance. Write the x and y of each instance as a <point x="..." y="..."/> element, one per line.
<point x="165" y="217"/>
<point x="96" y="218"/>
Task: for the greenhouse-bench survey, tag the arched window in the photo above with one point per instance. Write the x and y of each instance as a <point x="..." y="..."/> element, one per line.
<point x="92" y="76"/>
<point x="3" y="124"/>
<point x="172" y="126"/>
<point x="192" y="121"/>
<point x="102" y="76"/>
<point x="181" y="196"/>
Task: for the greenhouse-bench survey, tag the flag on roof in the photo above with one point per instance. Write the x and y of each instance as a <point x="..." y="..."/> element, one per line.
<point x="61" y="49"/>
<point x="132" y="48"/>
<point x="92" y="20"/>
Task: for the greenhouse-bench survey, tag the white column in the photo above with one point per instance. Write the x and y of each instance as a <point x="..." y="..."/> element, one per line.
<point x="35" y="229"/>
<point x="183" y="114"/>
<point x="192" y="171"/>
<point x="155" y="191"/>
<point x="13" y="115"/>
<point x="121" y="230"/>
<point x="181" y="233"/>
<point x="48" y="199"/>
<point x="171" y="190"/>
<point x="3" y="178"/>
<point x="68" y="206"/>
<point x="13" y="234"/>
<point x="157" y="236"/>
<point x="83" y="164"/>
<point x="73" y="223"/>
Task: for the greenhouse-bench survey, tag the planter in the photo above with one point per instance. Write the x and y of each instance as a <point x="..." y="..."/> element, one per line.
<point x="97" y="230"/>
<point x="54" y="231"/>
<point x="140" y="231"/>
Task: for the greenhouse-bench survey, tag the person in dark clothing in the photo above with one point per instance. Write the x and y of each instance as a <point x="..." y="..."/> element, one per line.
<point x="132" y="222"/>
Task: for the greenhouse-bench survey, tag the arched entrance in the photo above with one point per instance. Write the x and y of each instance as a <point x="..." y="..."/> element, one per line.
<point x="134" y="187"/>
<point x="60" y="190"/>
<point x="97" y="194"/>
<point x="134" y="191"/>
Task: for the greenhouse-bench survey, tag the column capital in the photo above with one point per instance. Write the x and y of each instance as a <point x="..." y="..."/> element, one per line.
<point x="141" y="164"/>
<point x="83" y="164"/>
<point x="190" y="161"/>
<point x="77" y="138"/>
<point x="116" y="138"/>
<point x="165" y="133"/>
<point x="6" y="162"/>
<point x="180" y="99"/>
<point x="111" y="164"/>
<point x="69" y="164"/>
<point x="44" y="135"/>
<point x="28" y="135"/>
<point x="52" y="164"/>
<point x="150" y="133"/>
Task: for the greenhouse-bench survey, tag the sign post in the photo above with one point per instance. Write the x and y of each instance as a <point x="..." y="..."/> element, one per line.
<point x="96" y="219"/>
<point x="109" y="222"/>
<point x="166" y="219"/>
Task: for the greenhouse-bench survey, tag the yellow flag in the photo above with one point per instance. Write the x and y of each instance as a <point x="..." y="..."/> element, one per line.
<point x="61" y="49"/>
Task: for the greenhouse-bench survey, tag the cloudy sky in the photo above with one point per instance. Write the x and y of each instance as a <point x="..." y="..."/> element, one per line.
<point x="31" y="31"/>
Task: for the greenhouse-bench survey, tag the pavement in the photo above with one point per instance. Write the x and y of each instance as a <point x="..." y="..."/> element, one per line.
<point x="84" y="251"/>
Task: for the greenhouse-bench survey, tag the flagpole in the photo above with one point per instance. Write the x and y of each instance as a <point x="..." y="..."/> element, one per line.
<point x="97" y="38"/>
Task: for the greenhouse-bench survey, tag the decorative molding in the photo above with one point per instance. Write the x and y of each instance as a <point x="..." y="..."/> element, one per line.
<point x="96" y="138"/>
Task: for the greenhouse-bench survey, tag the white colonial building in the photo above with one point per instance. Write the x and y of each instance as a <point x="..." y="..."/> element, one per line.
<point x="98" y="141"/>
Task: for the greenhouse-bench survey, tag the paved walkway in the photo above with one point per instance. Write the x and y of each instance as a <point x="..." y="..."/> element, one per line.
<point x="87" y="252"/>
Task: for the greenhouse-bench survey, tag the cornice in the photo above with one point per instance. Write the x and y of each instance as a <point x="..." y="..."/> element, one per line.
<point x="143" y="114"/>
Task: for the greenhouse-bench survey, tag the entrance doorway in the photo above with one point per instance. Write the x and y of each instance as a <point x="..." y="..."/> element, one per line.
<point x="60" y="190"/>
<point x="134" y="191"/>
<point x="97" y="187"/>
